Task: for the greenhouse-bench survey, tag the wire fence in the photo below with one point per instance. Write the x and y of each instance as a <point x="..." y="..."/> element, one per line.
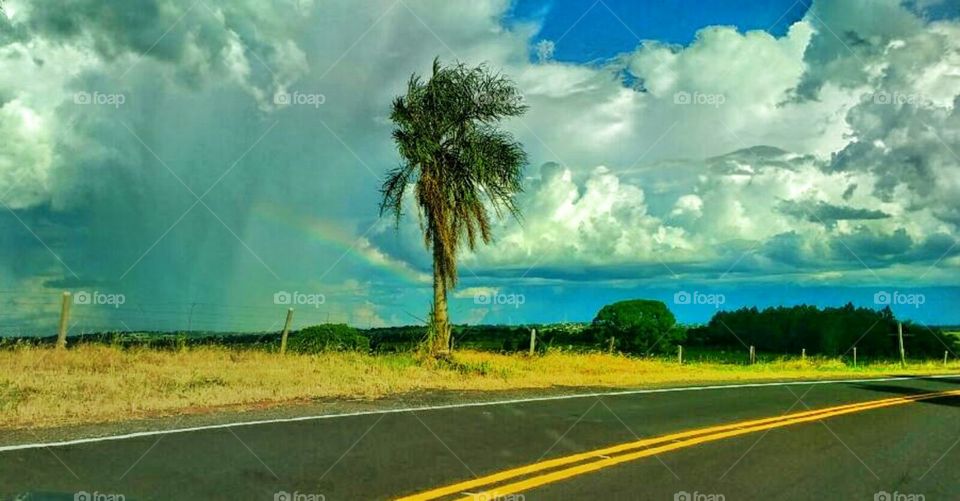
<point x="36" y="314"/>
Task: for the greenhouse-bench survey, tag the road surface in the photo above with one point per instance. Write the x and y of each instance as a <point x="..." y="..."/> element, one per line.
<point x="897" y="438"/>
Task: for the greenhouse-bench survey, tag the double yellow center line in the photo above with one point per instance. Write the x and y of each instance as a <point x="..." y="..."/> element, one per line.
<point x="524" y="478"/>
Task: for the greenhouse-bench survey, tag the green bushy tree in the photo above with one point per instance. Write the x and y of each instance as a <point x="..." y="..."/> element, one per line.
<point x="639" y="326"/>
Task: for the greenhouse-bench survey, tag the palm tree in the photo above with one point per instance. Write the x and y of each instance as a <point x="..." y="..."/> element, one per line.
<point x="460" y="165"/>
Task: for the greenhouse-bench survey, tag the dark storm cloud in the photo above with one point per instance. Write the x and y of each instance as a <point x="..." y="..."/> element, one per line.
<point x="849" y="33"/>
<point x="818" y="211"/>
<point x="114" y="26"/>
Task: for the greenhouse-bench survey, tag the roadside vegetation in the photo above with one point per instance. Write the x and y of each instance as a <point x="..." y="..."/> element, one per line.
<point x="41" y="386"/>
<point x="631" y="344"/>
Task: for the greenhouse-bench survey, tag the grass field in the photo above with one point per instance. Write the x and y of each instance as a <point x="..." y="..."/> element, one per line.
<point x="43" y="387"/>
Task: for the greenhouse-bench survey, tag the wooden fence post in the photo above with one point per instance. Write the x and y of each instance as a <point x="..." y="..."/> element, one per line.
<point x="903" y="353"/>
<point x="854" y="356"/>
<point x="680" y="354"/>
<point x="945" y="353"/>
<point x="64" y="321"/>
<point x="286" y="330"/>
<point x="753" y="355"/>
<point x="533" y="341"/>
<point x="803" y="354"/>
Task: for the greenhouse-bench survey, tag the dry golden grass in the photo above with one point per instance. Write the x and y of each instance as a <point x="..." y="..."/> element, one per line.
<point x="42" y="387"/>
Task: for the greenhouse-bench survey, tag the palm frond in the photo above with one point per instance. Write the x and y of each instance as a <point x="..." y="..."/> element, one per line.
<point x="459" y="162"/>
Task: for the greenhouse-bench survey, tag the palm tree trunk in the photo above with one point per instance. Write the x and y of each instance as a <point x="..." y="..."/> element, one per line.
<point x="440" y="342"/>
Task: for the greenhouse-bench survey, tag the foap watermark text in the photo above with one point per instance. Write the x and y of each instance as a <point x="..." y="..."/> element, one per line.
<point x="499" y="299"/>
<point x="699" y="298"/>
<point x="698" y="496"/>
<point x="298" y="299"/>
<point x="97" y="496"/>
<point x="97" y="298"/>
<point x="897" y="298"/>
<point x="897" y="496"/>
<point x="298" y="496"/>
<point x="99" y="98"/>
<point x="699" y="98"/>
<point x="298" y="98"/>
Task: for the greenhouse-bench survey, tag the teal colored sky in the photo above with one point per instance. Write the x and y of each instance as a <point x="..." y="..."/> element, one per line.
<point x="202" y="161"/>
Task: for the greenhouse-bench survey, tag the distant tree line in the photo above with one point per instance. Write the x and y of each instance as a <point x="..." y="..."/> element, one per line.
<point x="830" y="332"/>
<point x="640" y="327"/>
<point x="647" y="327"/>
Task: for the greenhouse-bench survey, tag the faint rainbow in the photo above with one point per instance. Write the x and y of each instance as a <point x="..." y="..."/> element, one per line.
<point x="353" y="246"/>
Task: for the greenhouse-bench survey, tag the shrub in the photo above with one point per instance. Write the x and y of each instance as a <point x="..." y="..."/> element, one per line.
<point x="328" y="337"/>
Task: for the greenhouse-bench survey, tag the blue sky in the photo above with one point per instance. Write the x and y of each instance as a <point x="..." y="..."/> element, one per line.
<point x="595" y="31"/>
<point x="202" y="162"/>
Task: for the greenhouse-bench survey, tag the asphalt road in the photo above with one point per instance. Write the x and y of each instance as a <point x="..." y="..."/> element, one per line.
<point x="904" y="450"/>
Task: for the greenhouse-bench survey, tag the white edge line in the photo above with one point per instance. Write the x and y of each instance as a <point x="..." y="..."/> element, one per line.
<point x="8" y="448"/>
